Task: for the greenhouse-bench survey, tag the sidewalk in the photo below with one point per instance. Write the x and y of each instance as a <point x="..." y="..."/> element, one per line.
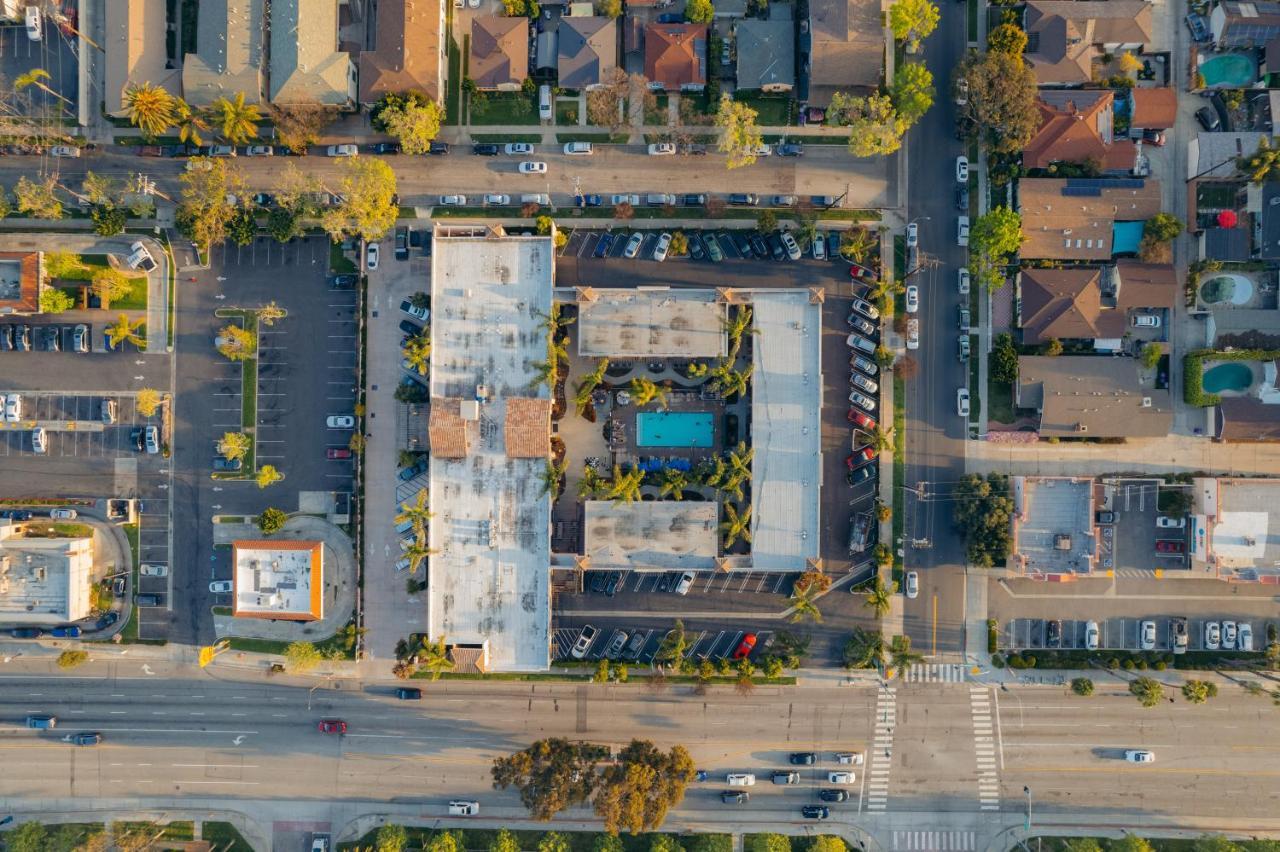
<point x="1156" y="457"/>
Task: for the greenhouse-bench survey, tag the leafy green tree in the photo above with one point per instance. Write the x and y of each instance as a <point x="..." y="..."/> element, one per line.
<point x="739" y="136"/>
<point x="1214" y="843"/>
<point x="299" y="125"/>
<point x="1130" y="843"/>
<point x="606" y="843"/>
<point x="610" y="8"/>
<point x="126" y="330"/>
<point x="28" y="837"/>
<point x="302" y="657"/>
<point x="736" y="525"/>
<point x="912" y="91"/>
<point x="636" y="792"/>
<point x="391" y="838"/>
<point x="983" y="513"/>
<point x="912" y="21"/>
<point x="1199" y="691"/>
<point x="205" y="211"/>
<point x="368" y="209"/>
<point x="284" y="224"/>
<point x="236" y="445"/>
<point x="504" y="841"/>
<point x="236" y="343"/>
<point x="995" y="236"/>
<point x="1001" y="107"/>
<point x="711" y="843"/>
<point x="766" y="220"/>
<point x="1007" y="38"/>
<point x="769" y="843"/>
<point x="54" y="301"/>
<point x="901" y="657"/>
<point x="1151" y="355"/>
<point x="268" y="475"/>
<point x="553" y="841"/>
<point x="1082" y="686"/>
<point x="1082" y="844"/>
<point x="272" y="519"/>
<point x="671" y="649"/>
<point x="38" y="198"/>
<point x="243" y="225"/>
<point x="1004" y="359"/>
<point x="190" y="122"/>
<point x="550" y="775"/>
<point x="237" y="120"/>
<point x="148" y="401"/>
<point x="828" y="843"/>
<point x="446" y="841"/>
<point x="150" y="108"/>
<point x="412" y="119"/>
<point x="109" y="220"/>
<point x="1161" y="227"/>
<point x="699" y="11"/>
<point x="1263" y="165"/>
<point x="434" y="657"/>
<point x="665" y="843"/>
<point x="875" y="128"/>
<point x="1149" y="692"/>
<point x="109" y="285"/>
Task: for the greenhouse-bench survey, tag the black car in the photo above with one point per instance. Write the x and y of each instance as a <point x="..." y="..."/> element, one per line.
<point x="109" y="618"/>
<point x="833" y="245"/>
<point x="135" y="438"/>
<point x="343" y="282"/>
<point x="693" y="200"/>
<point x="402" y="243"/>
<point x="6" y="337"/>
<point x="17" y="514"/>
<point x="438" y="149"/>
<point x="1105" y="517"/>
<point x="696" y="250"/>
<point x="666" y="583"/>
<point x="759" y="246"/>
<point x="734" y="797"/>
<point x="1208" y="118"/>
<point x="26" y="633"/>
<point x="790" y="149"/>
<point x="802" y="758"/>
<point x="410" y="327"/>
<point x="1054" y="637"/>
<point x="52" y="335"/>
<point x="598" y="581"/>
<point x="485" y="149"/>
<point x="815" y="812"/>
<point x="264" y="199"/>
<point x="385" y="148"/>
<point x="833" y="795"/>
<point x="776" y="248"/>
<point x="823" y="200"/>
<point x="697" y="149"/>
<point x="744" y="199"/>
<point x="861" y="475"/>
<point x="602" y="247"/>
<point x="611" y="587"/>
<point x="962" y="199"/>
<point x="409" y="693"/>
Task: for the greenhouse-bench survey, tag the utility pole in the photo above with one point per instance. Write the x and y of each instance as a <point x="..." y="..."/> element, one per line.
<point x="1027" y="790"/>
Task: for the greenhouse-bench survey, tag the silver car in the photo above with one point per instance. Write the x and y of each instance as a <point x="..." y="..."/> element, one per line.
<point x="585" y="638"/>
<point x="866" y="384"/>
<point x="864" y="402"/>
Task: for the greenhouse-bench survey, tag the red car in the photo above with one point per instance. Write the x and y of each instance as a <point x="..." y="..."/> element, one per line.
<point x="333" y="726"/>
<point x="744" y="647"/>
<point x="860" y="457"/>
<point x="1169" y="547"/>
<point x="337" y="453"/>
<point x="856" y="271"/>
<point x="861" y="420"/>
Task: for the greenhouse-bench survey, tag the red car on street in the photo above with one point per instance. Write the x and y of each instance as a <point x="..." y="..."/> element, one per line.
<point x="859" y="458"/>
<point x="861" y="420"/>
<point x="744" y="647"/>
<point x="857" y="271"/>
<point x="337" y="453"/>
<point x="333" y="726"/>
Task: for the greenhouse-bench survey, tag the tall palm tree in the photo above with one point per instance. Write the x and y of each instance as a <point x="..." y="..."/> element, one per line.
<point x="589" y="383"/>
<point x="237" y="119"/>
<point x="645" y="391"/>
<point x="552" y="475"/>
<point x="880" y="438"/>
<point x="734" y="382"/>
<point x="882" y="291"/>
<point x="150" y="109"/>
<point x="674" y="482"/>
<point x="736" y="326"/>
<point x="191" y="124"/>
<point x="735" y="525"/>
<point x="864" y="649"/>
<point x="733" y="482"/>
<point x="418" y="514"/>
<point x="856" y="244"/>
<point x="544" y="373"/>
<point x="804" y="606"/>
<point x="879" y="597"/>
<point x="1263" y="165"/>
<point x="592" y="485"/>
<point x="901" y="657"/>
<point x="740" y="458"/>
<point x="434" y="657"/>
<point x="126" y="329"/>
<point x="36" y="77"/>
<point x="552" y="323"/>
<point x="625" y="487"/>
<point x="418" y="353"/>
<point x="711" y="472"/>
<point x="416" y="554"/>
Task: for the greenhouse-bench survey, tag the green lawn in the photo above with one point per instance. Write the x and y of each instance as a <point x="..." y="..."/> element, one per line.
<point x="999" y="400"/>
<point x="224" y="837"/>
<point x="532" y="138"/>
<point x="597" y="137"/>
<point x="578" y="841"/>
<point x="807" y="140"/>
<point x="567" y="113"/>
<point x="503" y="108"/>
<point x="181" y="830"/>
<point x="657" y="115"/>
<point x="129" y="632"/>
<point x="273" y="646"/>
<point x="773" y="110"/>
<point x="899" y="463"/>
<point x="975" y="393"/>
<point x="338" y="260"/>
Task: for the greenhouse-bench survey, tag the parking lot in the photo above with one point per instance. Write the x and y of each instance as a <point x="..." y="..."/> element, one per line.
<point x="1118" y="634"/>
<point x="82" y="452"/>
<point x="55" y="53"/>
<point x="642" y="643"/>
<point x="1131" y="542"/>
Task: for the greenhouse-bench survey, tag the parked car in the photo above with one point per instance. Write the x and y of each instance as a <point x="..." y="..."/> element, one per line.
<point x="341" y="151"/>
<point x="1053" y="634"/>
<point x="1165" y="522"/>
<point x="332" y="726"/>
<point x="371" y="257"/>
<point x="1208" y="118"/>
<point x="862" y="400"/>
<point x="864" y="383"/>
<point x="438" y="149"/>
<point x="1170" y="546"/>
<point x="633" y="245"/>
<point x="336" y="453"/>
<point x="602" y="247"/>
<point x="453" y="201"/>
<point x="962" y="402"/>
<point x="734" y="797"/>
<point x="1091" y="636"/>
<point x="861" y="420"/>
<point x="743" y="199"/>
<point x="384" y="148"/>
<point x="1139" y="756"/>
<point x="714" y="252"/>
<point x="340" y="421"/>
<point x="419" y="313"/>
<point x="153" y="569"/>
<point x="913" y="584"/>
<point x="485" y="149"/>
<point x="962" y="231"/>
<point x="1147" y="636"/>
<point x="151" y="439"/>
<point x="259" y="151"/>
<point x="70" y="631"/>
<point x="532" y="167"/>
<point x="583" y="643"/>
<point x="496" y="199"/>
<point x="833" y="795"/>
<point x="744" y="647"/>
<point x="517" y="149"/>
<point x="913" y="299"/>
<point x="962" y="281"/>
<point x="1244" y="639"/>
<point x="840" y="777"/>
<point x="63" y="514"/>
<point x="789" y="243"/>
<point x="1228" y="635"/>
<point x="661" y="247"/>
<point x="866" y="365"/>
<point x="220" y="587"/>
<point x="578" y="149"/>
<point x="402" y="243"/>
<point x="913" y="235"/>
<point x="962" y="169"/>
<point x="790" y="149"/>
<point x="661" y="149"/>
<point x="1212" y="636"/>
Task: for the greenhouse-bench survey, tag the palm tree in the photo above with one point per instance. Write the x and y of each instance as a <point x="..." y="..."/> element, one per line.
<point x="880" y="438"/>
<point x="238" y="120"/>
<point x="733" y="482"/>
<point x="901" y="657"/>
<point x="418" y="353"/>
<point x="434" y="657"/>
<point x="879" y="597"/>
<point x="552" y="322"/>
<point x="589" y="383"/>
<point x="125" y="329"/>
<point x="190" y="123"/>
<point x="735" y="327"/>
<point x="856" y="244"/>
<point x="882" y="291"/>
<point x="711" y="472"/>
<point x="740" y="458"/>
<point x="36" y="77"/>
<point x="150" y="109"/>
<point x="735" y="525"/>
<point x="734" y="382"/>
<point x="592" y="485"/>
<point x="418" y="514"/>
<point x="803" y="604"/>
<point x="1263" y="165"/>
<point x="544" y="373"/>
<point x="416" y="553"/>
<point x="552" y="475"/>
<point x="864" y="649"/>
<point x="645" y="391"/>
<point x="673" y="482"/>
<point x="625" y="486"/>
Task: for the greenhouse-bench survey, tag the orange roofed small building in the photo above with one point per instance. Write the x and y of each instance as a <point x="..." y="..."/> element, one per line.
<point x="21" y="274"/>
<point x="281" y="580"/>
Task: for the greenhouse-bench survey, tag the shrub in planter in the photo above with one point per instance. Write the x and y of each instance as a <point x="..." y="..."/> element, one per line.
<point x="1128" y="665"/>
<point x="1082" y="686"/>
<point x="1029" y="661"/>
<point x="1016" y="662"/>
<point x="1160" y="665"/>
<point x="997" y="661"/>
<point x="1142" y="665"/>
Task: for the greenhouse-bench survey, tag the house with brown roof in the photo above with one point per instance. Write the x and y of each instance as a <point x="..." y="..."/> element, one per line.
<point x="587" y="51"/>
<point x="1153" y="109"/>
<point x="847" y="44"/>
<point x="499" y="52"/>
<point x="1077" y="126"/>
<point x="1244" y="418"/>
<point x="21" y="277"/>
<point x="1078" y="218"/>
<point x="1088" y="396"/>
<point x="230" y="47"/>
<point x="409" y="52"/>
<point x="1244" y="24"/>
<point x="675" y="56"/>
<point x="1090" y="303"/>
<point x="1066" y="37"/>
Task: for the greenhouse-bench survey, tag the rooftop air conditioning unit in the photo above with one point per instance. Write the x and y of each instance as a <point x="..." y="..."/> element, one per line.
<point x="1061" y="541"/>
<point x="1146" y="402"/>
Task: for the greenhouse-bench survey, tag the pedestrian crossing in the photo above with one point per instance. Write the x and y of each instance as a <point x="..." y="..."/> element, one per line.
<point x="935" y="841"/>
<point x="984" y="746"/>
<point x="877" y="776"/>
<point x="935" y="673"/>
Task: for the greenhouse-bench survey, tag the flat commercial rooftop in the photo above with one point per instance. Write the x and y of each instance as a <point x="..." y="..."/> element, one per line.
<point x="1243" y="537"/>
<point x="44" y="580"/>
<point x="490" y="574"/>
<point x="786" y="411"/>
<point x="1053" y="530"/>
<point x="643" y="323"/>
<point x="278" y="579"/>
<point x="654" y="535"/>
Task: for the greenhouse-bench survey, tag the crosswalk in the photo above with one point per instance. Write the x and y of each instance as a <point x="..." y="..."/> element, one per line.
<point x="935" y="673"/>
<point x="882" y="750"/>
<point x="934" y="841"/>
<point x="984" y="746"/>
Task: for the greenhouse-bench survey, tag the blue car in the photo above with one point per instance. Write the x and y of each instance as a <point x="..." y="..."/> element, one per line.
<point x="70" y="632"/>
<point x="602" y="247"/>
<point x="589" y="200"/>
<point x="670" y="18"/>
<point x="410" y="472"/>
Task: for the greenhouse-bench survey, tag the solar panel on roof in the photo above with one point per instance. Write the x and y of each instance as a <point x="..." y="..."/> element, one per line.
<point x="1081" y="191"/>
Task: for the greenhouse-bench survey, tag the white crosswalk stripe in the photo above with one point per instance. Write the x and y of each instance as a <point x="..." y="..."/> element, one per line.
<point x="934" y="841"/>
<point x="935" y="673"/>
<point x="984" y="748"/>
<point x="881" y="750"/>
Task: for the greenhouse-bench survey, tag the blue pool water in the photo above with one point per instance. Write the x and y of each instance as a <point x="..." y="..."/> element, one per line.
<point x="1229" y="69"/>
<point x="675" y="429"/>
<point x="1236" y="377"/>
<point x="1126" y="237"/>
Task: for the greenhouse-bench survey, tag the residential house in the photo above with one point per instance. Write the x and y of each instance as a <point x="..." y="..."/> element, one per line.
<point x="135" y="32"/>
<point x="306" y="65"/>
<point x="499" y="52"/>
<point x="1212" y="172"/>
<point x="21" y="279"/>
<point x="675" y="56"/>
<point x="1230" y="245"/>
<point x="229" y="53"/>
<point x="766" y="54"/>
<point x="1086" y="396"/>
<point x="587" y="51"/>
<point x="1245" y="418"/>
<point x="1077" y="126"/>
<point x="1091" y="303"/>
<point x="846" y="42"/>
<point x="1268" y="230"/>
<point x="1152" y="109"/>
<point x="1066" y="37"/>
<point x="1238" y="24"/>
<point x="409" y="52"/>
<point x="1084" y="218"/>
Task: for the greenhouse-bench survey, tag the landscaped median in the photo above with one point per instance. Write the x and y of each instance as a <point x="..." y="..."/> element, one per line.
<point x="238" y="341"/>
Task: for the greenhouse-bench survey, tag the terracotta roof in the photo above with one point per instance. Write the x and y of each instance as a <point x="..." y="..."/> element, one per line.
<point x="467" y="659"/>
<point x="499" y="51"/>
<point x="450" y="435"/>
<point x="315" y="580"/>
<point x="1069" y="303"/>
<point x="1075" y="127"/>
<point x="407" y="50"/>
<point x="1156" y="109"/>
<point x="20" y="274"/>
<point x="1072" y="219"/>
<point x="527" y="431"/>
<point x="587" y="52"/>
<point x="675" y="55"/>
<point x="1092" y="396"/>
<point x="1242" y="418"/>
<point x="848" y="47"/>
<point x="1065" y="36"/>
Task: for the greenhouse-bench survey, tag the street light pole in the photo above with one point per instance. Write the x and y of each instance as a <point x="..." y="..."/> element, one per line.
<point x="1027" y="790"/>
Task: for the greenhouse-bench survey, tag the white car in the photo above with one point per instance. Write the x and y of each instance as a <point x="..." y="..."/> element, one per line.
<point x="13" y="408"/>
<point x="1091" y="636"/>
<point x="962" y="402"/>
<point x="531" y="167"/>
<point x="962" y="231"/>
<point x="1147" y="636"/>
<point x="633" y="245"/>
<point x="71" y="515"/>
<point x="962" y="280"/>
<point x="661" y="149"/>
<point x="962" y="92"/>
<point x="39" y="440"/>
<point x="740" y="779"/>
<point x="862" y="401"/>
<point x="962" y="169"/>
<point x="913" y="299"/>
<point x="633" y="200"/>
<point x="220" y="587"/>
<point x="585" y="638"/>
<point x="849" y="757"/>
<point x="762" y="150"/>
<point x="840" y="777"/>
<point x="341" y="151"/>
<point x="497" y="199"/>
<point x="259" y="151"/>
<point x="35" y="25"/>
<point x="1228" y="635"/>
<point x="1165" y="522"/>
<point x="1146" y="321"/>
<point x="820" y="248"/>
<point x="140" y="258"/>
<point x="789" y="243"/>
<point x="453" y="201"/>
<point x="1134" y="755"/>
<point x="913" y="334"/>
<point x="913" y="235"/>
<point x="1244" y="639"/>
<point x="913" y="584"/>
<point x="578" y="149"/>
<point x="518" y="148"/>
<point x="661" y="247"/>
<point x="371" y="256"/>
<point x="154" y="570"/>
<point x="340" y="421"/>
<point x="1212" y="636"/>
<point x="65" y="151"/>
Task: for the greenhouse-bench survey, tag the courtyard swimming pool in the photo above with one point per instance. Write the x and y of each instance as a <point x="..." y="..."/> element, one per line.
<point x="675" y="429"/>
<point x="1228" y="377"/>
<point x="1230" y="69"/>
<point x="1236" y="289"/>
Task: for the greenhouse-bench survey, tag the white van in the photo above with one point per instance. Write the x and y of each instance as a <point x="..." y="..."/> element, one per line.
<point x="464" y="808"/>
<point x="544" y="102"/>
<point x="35" y="26"/>
<point x="578" y="149"/>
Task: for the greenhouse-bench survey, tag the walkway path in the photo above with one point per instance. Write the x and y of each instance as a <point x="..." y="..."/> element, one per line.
<point x="1172" y="454"/>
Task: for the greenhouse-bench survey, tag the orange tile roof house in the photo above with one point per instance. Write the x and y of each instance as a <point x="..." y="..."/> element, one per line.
<point x="21" y="277"/>
<point x="1091" y="302"/>
<point x="1075" y="219"/>
<point x="408" y="53"/>
<point x="675" y="56"/>
<point x="1077" y="126"/>
<point x="499" y="51"/>
<point x="281" y="580"/>
<point x="1154" y="109"/>
<point x="1065" y="37"/>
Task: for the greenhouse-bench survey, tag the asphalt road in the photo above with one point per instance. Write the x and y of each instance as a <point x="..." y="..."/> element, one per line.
<point x="935" y="433"/>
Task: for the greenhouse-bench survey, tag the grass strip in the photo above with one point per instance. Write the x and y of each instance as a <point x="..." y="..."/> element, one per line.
<point x="576" y="841"/>
<point x="182" y="830"/>
<point x="531" y="138"/>
<point x="588" y="136"/>
<point x="129" y="633"/>
<point x="224" y="837"/>
<point x="899" y="463"/>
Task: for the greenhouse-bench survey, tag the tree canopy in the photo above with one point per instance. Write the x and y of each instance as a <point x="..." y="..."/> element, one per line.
<point x="875" y="128"/>
<point x="912" y="21"/>
<point x="995" y="236"/>
<point x="983" y="514"/>
<point x="637" y="791"/>
<point x="699" y="11"/>
<point x="739" y="138"/>
<point x="368" y="209"/>
<point x="1001" y="105"/>
<point x="1007" y="38"/>
<point x="551" y="775"/>
<point x="412" y="119"/>
<point x="913" y="91"/>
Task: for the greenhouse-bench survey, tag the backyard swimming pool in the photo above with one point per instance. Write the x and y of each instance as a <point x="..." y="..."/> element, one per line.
<point x="1228" y="377"/>
<point x="675" y="429"/>
<point x="1229" y="69"/>
<point x="1232" y="288"/>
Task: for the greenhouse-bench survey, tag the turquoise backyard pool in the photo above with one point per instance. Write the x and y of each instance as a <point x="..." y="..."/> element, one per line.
<point x="1228" y="377"/>
<point x="1230" y="69"/>
<point x="675" y="429"/>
